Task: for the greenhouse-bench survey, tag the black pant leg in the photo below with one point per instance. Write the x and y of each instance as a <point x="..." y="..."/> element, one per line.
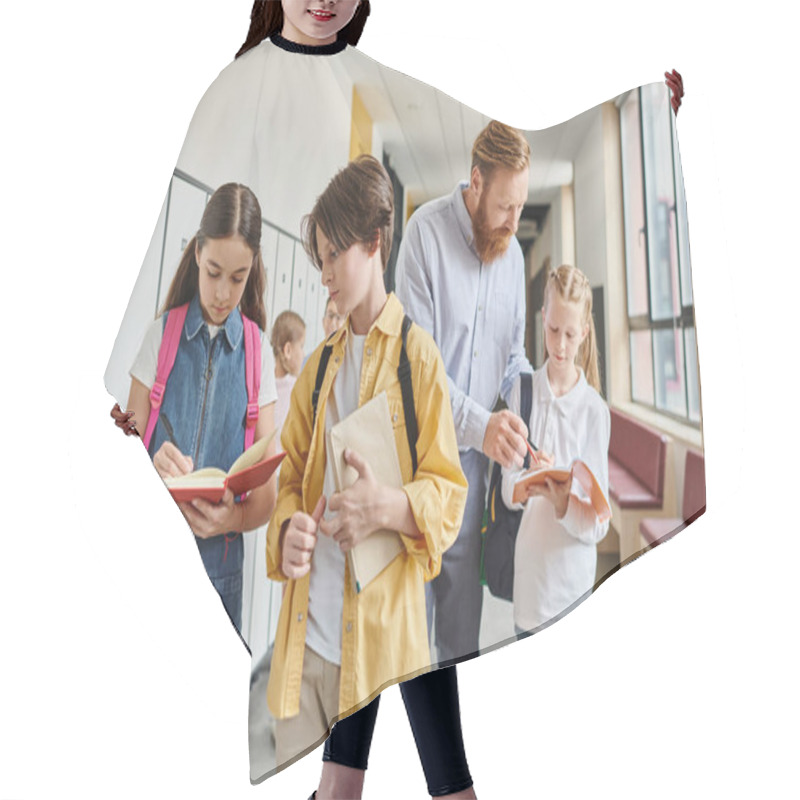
<point x="351" y="738"/>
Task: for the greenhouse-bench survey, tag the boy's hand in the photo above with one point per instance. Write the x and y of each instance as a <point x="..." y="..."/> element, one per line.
<point x="170" y="462"/>
<point x="359" y="509"/>
<point x="299" y="541"/>
<point x="504" y="440"/>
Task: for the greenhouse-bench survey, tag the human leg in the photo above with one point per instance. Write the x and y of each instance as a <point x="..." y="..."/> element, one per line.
<point x="319" y="701"/>
<point x="434" y="714"/>
<point x="346" y="754"/>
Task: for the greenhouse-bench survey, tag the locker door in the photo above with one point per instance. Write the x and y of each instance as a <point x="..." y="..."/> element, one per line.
<point x="282" y="288"/>
<point x="184" y="211"/>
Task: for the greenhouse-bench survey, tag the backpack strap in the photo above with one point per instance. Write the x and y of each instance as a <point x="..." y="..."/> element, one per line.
<point x="525" y="403"/>
<point x="252" y="368"/>
<point x="407" y="389"/>
<point x="321" y="369"/>
<point x="166" y="359"/>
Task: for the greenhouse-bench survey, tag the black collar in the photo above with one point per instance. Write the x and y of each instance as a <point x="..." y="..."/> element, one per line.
<point x="308" y="49"/>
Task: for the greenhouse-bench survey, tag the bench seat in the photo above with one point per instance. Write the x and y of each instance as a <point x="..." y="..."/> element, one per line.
<point x="628" y="492"/>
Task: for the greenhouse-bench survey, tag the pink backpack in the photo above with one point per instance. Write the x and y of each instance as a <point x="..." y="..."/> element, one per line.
<point x="166" y="359"/>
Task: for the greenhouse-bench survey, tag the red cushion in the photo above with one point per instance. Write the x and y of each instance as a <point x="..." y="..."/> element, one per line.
<point x="626" y="491"/>
<point x="694" y="484"/>
<point x="641" y="451"/>
<point x="656" y="529"/>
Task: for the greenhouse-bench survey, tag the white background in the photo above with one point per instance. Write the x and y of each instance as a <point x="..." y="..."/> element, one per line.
<point x="119" y="676"/>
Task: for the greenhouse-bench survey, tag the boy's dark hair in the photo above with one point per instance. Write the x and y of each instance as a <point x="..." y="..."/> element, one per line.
<point x="266" y="19"/>
<point x="357" y="207"/>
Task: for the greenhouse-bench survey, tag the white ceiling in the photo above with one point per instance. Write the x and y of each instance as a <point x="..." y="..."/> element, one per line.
<point x="428" y="136"/>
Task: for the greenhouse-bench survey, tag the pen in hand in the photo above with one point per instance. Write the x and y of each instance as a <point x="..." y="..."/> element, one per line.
<point x="168" y="428"/>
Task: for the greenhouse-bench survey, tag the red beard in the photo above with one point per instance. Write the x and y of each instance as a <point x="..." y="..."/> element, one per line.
<point x="490" y="243"/>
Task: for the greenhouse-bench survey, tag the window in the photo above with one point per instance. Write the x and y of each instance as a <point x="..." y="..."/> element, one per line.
<point x="663" y="346"/>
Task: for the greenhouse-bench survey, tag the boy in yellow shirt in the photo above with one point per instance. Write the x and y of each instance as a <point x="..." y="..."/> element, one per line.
<point x="335" y="649"/>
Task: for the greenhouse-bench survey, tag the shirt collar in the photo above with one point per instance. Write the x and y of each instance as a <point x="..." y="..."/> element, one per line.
<point x="308" y="49"/>
<point x="233" y="328"/>
<point x="389" y="321"/>
<point x="462" y="215"/>
<point x="567" y="403"/>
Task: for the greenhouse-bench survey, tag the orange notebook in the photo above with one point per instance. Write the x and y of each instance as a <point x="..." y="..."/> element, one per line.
<point x="580" y="473"/>
<point x="250" y="470"/>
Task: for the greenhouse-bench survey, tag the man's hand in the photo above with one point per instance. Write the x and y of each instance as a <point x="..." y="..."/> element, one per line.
<point x="358" y="509"/>
<point x="504" y="440"/>
<point x="299" y="541"/>
<point x="124" y="420"/>
<point x="675" y="83"/>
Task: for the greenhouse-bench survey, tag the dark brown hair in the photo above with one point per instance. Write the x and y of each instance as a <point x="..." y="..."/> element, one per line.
<point x="357" y="207"/>
<point x="232" y="210"/>
<point x="266" y="19"/>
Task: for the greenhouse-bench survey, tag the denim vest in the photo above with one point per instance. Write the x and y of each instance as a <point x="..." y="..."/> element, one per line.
<point x="205" y="401"/>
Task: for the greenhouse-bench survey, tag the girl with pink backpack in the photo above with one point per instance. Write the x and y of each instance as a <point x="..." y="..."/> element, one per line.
<point x="203" y="382"/>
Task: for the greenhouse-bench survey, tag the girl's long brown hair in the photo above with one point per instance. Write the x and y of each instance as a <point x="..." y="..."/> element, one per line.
<point x="232" y="210"/>
<point x="266" y="19"/>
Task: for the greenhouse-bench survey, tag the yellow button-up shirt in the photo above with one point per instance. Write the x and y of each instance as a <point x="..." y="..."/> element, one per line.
<point x="384" y="627"/>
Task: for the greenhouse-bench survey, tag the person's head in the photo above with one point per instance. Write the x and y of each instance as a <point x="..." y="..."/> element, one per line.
<point x="332" y="320"/>
<point x="569" y="333"/>
<point x="306" y="21"/>
<point x="498" y="187"/>
<point x="288" y="340"/>
<point x="222" y="262"/>
<point x="348" y="234"/>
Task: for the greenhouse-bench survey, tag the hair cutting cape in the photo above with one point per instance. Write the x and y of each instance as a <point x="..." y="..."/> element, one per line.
<point x="605" y="195"/>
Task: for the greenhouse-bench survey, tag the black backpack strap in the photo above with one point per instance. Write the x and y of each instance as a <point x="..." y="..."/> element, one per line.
<point x="525" y="403"/>
<point x="321" y="369"/>
<point x="407" y="389"/>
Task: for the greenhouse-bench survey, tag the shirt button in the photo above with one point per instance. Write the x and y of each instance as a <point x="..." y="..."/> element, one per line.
<point x="480" y="308"/>
<point x="369" y="351"/>
<point x="475" y="354"/>
<point x="300" y="617"/>
<point x="349" y="627"/>
<point x="336" y="360"/>
<point x="394" y="417"/>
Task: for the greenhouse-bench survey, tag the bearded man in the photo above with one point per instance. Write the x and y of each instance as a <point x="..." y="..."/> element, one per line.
<point x="461" y="276"/>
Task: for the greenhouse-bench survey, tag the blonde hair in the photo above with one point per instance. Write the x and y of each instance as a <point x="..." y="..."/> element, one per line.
<point x="500" y="146"/>
<point x="573" y="287"/>
<point x="288" y="327"/>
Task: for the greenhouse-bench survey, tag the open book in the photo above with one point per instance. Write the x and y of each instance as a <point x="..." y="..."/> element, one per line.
<point x="368" y="431"/>
<point x="580" y="473"/>
<point x="250" y="470"/>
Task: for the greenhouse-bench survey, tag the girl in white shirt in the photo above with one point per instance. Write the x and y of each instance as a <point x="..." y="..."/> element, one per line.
<point x="556" y="552"/>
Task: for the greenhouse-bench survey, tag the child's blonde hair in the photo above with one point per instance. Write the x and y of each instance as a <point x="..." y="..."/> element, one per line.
<point x="573" y="287"/>
<point x="287" y="328"/>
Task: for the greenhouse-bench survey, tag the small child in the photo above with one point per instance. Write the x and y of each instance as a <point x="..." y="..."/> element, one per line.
<point x="335" y="649"/>
<point x="555" y="558"/>
<point x="288" y="340"/>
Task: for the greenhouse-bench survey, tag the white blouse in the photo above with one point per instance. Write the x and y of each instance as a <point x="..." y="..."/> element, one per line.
<point x="555" y="560"/>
